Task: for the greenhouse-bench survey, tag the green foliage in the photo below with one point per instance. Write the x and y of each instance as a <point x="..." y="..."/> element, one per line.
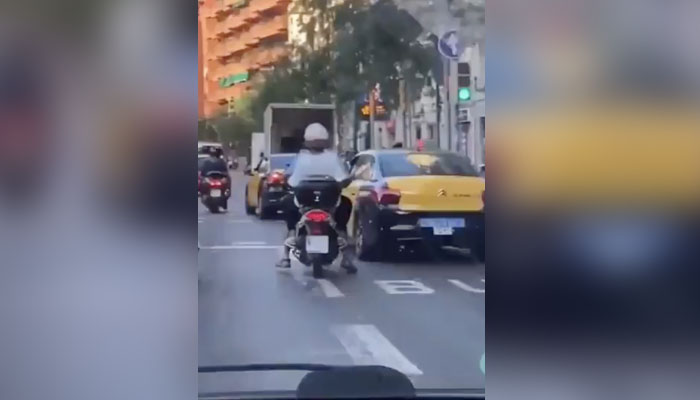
<point x="366" y="44"/>
<point x="370" y="44"/>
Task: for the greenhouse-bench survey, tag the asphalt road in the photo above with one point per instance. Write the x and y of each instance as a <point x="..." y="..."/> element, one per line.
<point x="424" y="318"/>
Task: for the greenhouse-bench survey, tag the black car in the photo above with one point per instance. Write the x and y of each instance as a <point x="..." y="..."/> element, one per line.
<point x="273" y="184"/>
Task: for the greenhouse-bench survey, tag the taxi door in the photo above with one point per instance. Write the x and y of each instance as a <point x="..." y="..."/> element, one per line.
<point x="254" y="183"/>
<point x="361" y="173"/>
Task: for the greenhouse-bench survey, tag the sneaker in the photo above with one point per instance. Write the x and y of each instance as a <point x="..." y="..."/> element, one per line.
<point x="347" y="264"/>
<point x="284" y="263"/>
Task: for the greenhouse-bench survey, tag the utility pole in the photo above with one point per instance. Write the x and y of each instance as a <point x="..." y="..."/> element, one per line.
<point x="372" y="103"/>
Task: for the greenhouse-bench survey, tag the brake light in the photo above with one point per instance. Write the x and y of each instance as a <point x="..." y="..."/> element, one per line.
<point x="317" y="216"/>
<point x="386" y="196"/>
<point x="214" y="182"/>
<point x="275" y="178"/>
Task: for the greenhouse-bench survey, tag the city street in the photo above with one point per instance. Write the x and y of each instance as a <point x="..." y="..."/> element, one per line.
<point x="423" y="318"/>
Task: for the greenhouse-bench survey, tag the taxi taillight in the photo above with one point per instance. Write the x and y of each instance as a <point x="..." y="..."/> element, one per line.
<point x="386" y="196"/>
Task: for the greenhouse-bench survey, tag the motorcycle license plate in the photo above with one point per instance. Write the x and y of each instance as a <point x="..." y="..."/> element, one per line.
<point x="216" y="193"/>
<point x="317" y="244"/>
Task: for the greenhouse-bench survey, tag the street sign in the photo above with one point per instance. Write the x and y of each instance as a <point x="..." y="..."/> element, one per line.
<point x="449" y="45"/>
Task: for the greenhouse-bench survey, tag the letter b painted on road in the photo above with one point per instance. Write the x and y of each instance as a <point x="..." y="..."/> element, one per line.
<point x="404" y="287"/>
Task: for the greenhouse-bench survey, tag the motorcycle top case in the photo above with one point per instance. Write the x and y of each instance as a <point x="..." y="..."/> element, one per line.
<point x="318" y="193"/>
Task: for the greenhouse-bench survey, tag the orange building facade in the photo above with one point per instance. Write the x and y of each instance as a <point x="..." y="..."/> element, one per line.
<point x="238" y="39"/>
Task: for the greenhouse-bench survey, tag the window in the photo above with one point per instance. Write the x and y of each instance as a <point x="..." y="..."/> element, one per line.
<point x="414" y="164"/>
<point x="363" y="167"/>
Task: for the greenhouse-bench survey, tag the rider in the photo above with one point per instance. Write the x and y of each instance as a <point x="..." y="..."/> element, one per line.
<point x="317" y="160"/>
<point x="215" y="163"/>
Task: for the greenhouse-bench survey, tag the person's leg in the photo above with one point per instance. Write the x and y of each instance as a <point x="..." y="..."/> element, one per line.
<point x="342" y="216"/>
<point x="291" y="218"/>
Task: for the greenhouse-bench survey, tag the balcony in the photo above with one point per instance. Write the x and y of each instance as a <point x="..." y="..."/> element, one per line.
<point x="267" y="56"/>
<point x="271" y="27"/>
<point x="261" y="6"/>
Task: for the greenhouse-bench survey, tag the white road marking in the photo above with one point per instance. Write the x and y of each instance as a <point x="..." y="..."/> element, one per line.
<point x="329" y="289"/>
<point x="367" y="346"/>
<point x="248" y="243"/>
<point x="466" y="287"/>
<point x="242" y="247"/>
<point x="240" y="221"/>
<point x="404" y="287"/>
<point x="483" y="280"/>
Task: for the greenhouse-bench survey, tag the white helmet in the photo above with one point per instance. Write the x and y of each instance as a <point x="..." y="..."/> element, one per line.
<point x="315" y="131"/>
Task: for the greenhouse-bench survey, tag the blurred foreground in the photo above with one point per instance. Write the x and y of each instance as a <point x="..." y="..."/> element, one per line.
<point x="97" y="122"/>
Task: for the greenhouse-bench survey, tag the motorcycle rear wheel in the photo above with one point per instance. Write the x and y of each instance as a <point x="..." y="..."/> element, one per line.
<point x="317" y="270"/>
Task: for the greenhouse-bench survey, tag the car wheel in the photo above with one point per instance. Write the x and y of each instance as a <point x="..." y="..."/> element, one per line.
<point x="365" y="250"/>
<point x="479" y="251"/>
<point x="248" y="209"/>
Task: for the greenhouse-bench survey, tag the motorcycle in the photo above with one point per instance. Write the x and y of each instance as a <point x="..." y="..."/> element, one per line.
<point x="216" y="191"/>
<point x="316" y="242"/>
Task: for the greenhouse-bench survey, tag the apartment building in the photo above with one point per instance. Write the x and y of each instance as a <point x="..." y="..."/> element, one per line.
<point x="239" y="39"/>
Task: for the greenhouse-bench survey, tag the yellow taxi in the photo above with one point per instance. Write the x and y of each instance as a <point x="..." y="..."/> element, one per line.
<point x="266" y="185"/>
<point x="436" y="198"/>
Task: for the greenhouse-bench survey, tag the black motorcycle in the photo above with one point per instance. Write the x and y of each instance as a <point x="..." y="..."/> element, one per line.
<point x="216" y="189"/>
<point x="316" y="241"/>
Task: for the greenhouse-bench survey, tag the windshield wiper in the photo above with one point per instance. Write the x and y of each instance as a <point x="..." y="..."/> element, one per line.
<point x="333" y="382"/>
<point x="269" y="367"/>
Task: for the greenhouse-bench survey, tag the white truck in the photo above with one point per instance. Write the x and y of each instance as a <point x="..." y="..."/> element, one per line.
<point x="257" y="146"/>
<point x="284" y="125"/>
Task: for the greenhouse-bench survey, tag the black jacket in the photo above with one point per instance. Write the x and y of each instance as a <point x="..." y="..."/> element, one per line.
<point x="214" y="164"/>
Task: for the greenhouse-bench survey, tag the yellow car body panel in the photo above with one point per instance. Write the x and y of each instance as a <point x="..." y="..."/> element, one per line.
<point x="439" y="193"/>
<point x="253" y="185"/>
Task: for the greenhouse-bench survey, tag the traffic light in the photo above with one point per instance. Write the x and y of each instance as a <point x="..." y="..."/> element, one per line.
<point x="464" y="82"/>
<point x="231" y="106"/>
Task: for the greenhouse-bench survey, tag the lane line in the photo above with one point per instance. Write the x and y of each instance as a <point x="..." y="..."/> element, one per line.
<point x="466" y="287"/>
<point x="367" y="346"/>
<point x="242" y="247"/>
<point x="252" y="243"/>
<point x="329" y="289"/>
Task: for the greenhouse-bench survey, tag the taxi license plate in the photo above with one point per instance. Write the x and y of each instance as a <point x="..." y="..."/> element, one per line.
<point x="442" y="226"/>
<point x="216" y="193"/>
<point x="317" y="244"/>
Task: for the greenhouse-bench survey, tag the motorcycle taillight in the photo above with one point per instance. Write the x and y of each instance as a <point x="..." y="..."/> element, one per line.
<point x="214" y="182"/>
<point x="317" y="216"/>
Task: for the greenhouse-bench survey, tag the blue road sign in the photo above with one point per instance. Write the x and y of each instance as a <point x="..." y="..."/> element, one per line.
<point x="449" y="45"/>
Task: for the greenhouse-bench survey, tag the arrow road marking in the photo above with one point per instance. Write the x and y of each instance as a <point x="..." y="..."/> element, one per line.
<point x="329" y="289"/>
<point x="466" y="287"/>
<point x="367" y="346"/>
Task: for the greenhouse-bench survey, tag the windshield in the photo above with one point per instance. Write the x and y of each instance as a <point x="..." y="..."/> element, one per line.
<point x="406" y="291"/>
<point x="414" y="164"/>
<point x="281" y="161"/>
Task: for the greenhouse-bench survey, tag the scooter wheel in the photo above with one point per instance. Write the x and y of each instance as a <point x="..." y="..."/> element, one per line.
<point x="317" y="270"/>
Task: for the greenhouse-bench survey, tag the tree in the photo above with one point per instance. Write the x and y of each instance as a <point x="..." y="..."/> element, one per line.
<point x="362" y="45"/>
